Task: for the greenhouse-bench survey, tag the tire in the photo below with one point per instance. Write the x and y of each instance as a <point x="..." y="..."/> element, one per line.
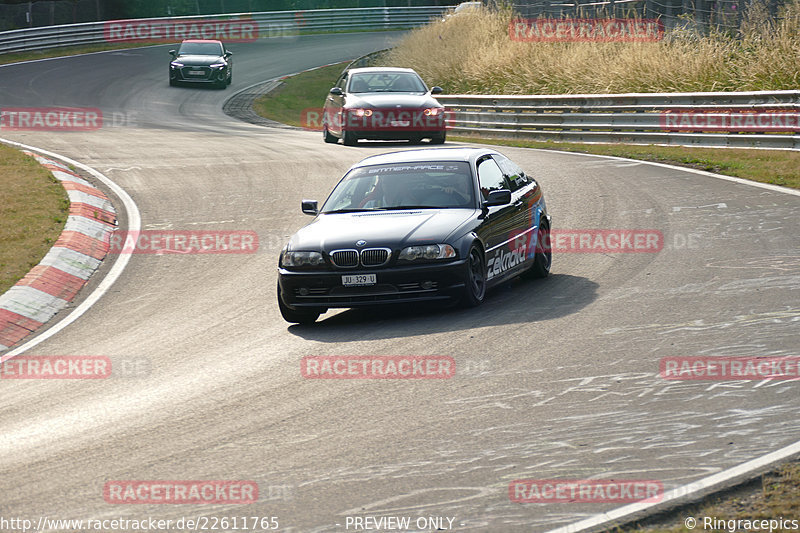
<point x="439" y="139"/>
<point x="173" y="83"/>
<point x="296" y="316"/>
<point x="221" y="84"/>
<point x="416" y="139"/>
<point x="543" y="258"/>
<point x="475" y="289"/>
<point x="326" y="135"/>
<point x="349" y="138"/>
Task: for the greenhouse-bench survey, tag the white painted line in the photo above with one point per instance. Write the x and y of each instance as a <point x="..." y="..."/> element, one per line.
<point x="741" y="181"/>
<point x="134" y="224"/>
<point x="685" y="493"/>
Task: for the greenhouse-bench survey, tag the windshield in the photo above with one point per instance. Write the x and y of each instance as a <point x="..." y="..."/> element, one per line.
<point x="200" y="49"/>
<point x="406" y="185"/>
<point x="385" y="82"/>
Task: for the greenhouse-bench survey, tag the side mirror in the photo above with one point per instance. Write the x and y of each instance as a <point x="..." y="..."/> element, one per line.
<point x="436" y="90"/>
<point x="228" y="54"/>
<point x="173" y="52"/>
<point x="501" y="197"/>
<point x="336" y="91"/>
<point x="309" y="207"/>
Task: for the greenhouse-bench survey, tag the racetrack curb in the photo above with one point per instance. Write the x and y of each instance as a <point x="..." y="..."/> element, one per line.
<point x="52" y="284"/>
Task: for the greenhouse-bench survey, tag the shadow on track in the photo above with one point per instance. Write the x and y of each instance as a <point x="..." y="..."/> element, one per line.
<point x="518" y="301"/>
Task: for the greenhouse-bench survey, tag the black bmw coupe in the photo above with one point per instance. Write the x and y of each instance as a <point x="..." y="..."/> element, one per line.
<point x="419" y="225"/>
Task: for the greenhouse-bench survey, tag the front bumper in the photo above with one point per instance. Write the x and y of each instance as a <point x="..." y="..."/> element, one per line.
<point x="209" y="75"/>
<point x="324" y="289"/>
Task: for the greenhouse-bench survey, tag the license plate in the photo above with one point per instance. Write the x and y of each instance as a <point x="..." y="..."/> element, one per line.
<point x="401" y="123"/>
<point x="196" y="73"/>
<point x="359" y="280"/>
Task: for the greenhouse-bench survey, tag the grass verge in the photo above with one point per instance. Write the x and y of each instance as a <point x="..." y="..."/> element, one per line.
<point x="33" y="211"/>
<point x="772" y="497"/>
<point x="306" y="90"/>
<point x="778" y="167"/>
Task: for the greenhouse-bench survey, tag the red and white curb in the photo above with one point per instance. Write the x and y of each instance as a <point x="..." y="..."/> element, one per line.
<point x="55" y="281"/>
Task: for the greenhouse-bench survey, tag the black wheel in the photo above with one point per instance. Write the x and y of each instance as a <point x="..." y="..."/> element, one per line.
<point x="173" y="83"/>
<point x="230" y="79"/>
<point x="349" y="138"/>
<point x="543" y="257"/>
<point x="475" y="289"/>
<point x="416" y="139"/>
<point x="296" y="316"/>
<point x="439" y="139"/>
<point x="327" y="136"/>
<point x="221" y="84"/>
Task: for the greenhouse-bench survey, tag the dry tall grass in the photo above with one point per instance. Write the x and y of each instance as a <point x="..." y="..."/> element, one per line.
<point x="473" y="53"/>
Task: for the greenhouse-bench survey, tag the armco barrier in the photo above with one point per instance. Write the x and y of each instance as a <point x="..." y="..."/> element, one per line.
<point x="761" y="119"/>
<point x="270" y="24"/>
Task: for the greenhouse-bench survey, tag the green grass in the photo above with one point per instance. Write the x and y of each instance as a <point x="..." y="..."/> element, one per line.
<point x="307" y="90"/>
<point x="774" y="497"/>
<point x="33" y="212"/>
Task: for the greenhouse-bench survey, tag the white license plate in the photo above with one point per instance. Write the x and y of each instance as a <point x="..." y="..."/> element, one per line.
<point x="359" y="280"/>
<point x="401" y="123"/>
<point x="196" y="73"/>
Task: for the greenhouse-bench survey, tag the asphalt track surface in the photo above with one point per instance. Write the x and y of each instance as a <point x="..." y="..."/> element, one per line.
<point x="556" y="378"/>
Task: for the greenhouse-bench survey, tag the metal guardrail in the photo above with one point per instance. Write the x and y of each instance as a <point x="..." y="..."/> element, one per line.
<point x="271" y="24"/>
<point x="657" y="118"/>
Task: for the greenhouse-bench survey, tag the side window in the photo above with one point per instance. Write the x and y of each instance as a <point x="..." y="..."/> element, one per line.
<point x="490" y="177"/>
<point x="516" y="176"/>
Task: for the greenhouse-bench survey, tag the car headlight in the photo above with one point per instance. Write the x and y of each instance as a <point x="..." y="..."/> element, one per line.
<point x="427" y="252"/>
<point x="358" y="112"/>
<point x="176" y="64"/>
<point x="219" y="65"/>
<point x="301" y="259"/>
<point x="433" y="111"/>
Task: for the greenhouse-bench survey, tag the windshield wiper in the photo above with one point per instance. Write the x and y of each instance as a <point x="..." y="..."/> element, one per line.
<point x="352" y="210"/>
<point x="404" y="207"/>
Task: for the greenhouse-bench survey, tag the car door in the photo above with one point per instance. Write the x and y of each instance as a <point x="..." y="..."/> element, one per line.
<point x="332" y="112"/>
<point x="503" y="258"/>
<point x="524" y="197"/>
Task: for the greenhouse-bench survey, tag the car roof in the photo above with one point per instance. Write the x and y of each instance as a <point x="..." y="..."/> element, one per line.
<point x="201" y="41"/>
<point x="451" y="153"/>
<point x="380" y="69"/>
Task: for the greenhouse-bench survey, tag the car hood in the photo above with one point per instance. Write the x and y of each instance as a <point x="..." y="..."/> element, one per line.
<point x="390" y="100"/>
<point x="194" y="60"/>
<point x="391" y="229"/>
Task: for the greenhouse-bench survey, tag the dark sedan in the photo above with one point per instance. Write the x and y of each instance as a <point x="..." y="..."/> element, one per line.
<point x="201" y="61"/>
<point x="381" y="103"/>
<point x="419" y="225"/>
